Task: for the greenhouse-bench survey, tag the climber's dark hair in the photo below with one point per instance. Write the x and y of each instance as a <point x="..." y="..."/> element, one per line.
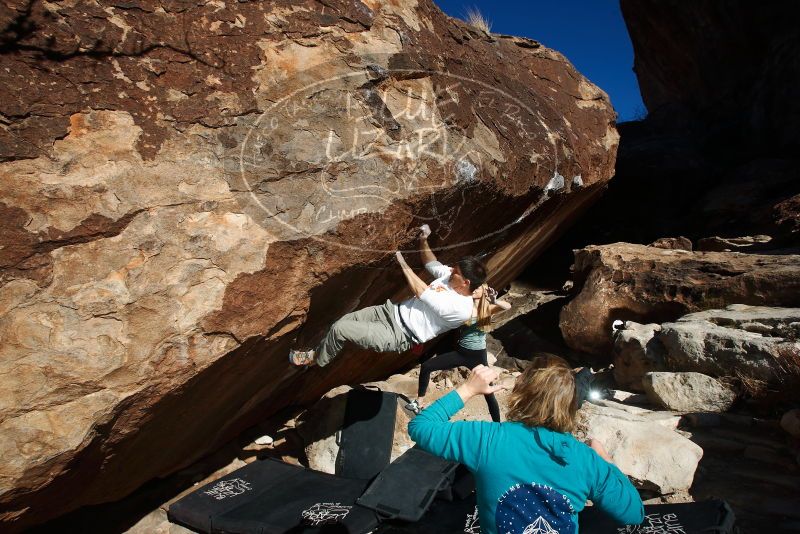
<point x="473" y="270"/>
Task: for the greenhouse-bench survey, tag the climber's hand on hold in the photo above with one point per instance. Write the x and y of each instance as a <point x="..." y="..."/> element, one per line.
<point x="424" y="231"/>
<point x="491" y="294"/>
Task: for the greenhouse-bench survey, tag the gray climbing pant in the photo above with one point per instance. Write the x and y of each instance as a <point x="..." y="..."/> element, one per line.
<point x="373" y="328"/>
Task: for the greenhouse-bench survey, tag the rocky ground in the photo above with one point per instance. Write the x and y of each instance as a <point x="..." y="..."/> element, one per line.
<point x="680" y="436"/>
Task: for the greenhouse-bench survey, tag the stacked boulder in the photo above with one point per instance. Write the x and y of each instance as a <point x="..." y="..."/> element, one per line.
<point x="756" y="345"/>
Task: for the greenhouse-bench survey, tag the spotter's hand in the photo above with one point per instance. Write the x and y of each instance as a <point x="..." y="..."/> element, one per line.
<point x="481" y="381"/>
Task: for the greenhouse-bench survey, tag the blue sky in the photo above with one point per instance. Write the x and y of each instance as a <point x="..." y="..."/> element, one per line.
<point x="591" y="33"/>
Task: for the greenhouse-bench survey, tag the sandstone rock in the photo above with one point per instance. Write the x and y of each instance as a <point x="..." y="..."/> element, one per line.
<point x="673" y="243"/>
<point x="156" y="522"/>
<point x="744" y="341"/>
<point x="188" y="191"/>
<point x="653" y="456"/>
<point x="672" y="498"/>
<point x="264" y="440"/>
<point x="712" y="443"/>
<point x="736" y="244"/>
<point x="627" y="397"/>
<point x="701" y="420"/>
<point x="526" y="330"/>
<point x="790" y="422"/>
<point x="768" y="455"/>
<point x="666" y="419"/>
<point x="637" y="351"/>
<point x="688" y="392"/>
<point x="651" y="285"/>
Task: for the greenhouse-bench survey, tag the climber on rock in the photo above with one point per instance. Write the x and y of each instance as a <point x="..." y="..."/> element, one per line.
<point x="470" y="350"/>
<point x="444" y="304"/>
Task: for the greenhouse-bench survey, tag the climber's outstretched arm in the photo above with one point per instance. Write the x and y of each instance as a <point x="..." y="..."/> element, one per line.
<point x="414" y="282"/>
<point x="424" y="248"/>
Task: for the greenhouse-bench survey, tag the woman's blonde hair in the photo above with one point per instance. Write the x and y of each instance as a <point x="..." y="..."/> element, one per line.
<point x="544" y="395"/>
<point x="484" y="313"/>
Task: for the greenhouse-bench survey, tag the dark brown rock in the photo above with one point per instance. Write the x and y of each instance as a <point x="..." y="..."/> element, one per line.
<point x="652" y="285"/>
<point x="717" y="153"/>
<point x="729" y="66"/>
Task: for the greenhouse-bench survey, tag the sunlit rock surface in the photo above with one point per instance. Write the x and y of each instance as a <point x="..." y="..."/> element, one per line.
<point x="190" y="189"/>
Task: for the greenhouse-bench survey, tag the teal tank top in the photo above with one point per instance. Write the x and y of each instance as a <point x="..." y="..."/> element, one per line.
<point x="472" y="337"/>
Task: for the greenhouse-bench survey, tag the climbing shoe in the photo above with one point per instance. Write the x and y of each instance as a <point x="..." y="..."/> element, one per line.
<point x="301" y="357"/>
<point x="414" y="406"/>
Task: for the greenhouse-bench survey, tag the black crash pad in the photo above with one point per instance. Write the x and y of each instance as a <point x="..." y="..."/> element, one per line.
<point x="707" y="517"/>
<point x="406" y="488"/>
<point x="270" y="496"/>
<point x="365" y="443"/>
<point x="456" y="516"/>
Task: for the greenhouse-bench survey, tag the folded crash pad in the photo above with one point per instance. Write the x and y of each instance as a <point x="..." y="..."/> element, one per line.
<point x="406" y="488"/>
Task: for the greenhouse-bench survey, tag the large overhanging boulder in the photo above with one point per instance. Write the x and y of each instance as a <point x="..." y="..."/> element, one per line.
<point x="189" y="189"/>
<point x="628" y="282"/>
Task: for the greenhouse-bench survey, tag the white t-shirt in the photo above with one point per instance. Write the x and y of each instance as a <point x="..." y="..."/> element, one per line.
<point x="438" y="309"/>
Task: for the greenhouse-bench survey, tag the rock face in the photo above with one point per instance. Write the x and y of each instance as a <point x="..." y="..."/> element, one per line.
<point x="734" y="65"/>
<point x="687" y="392"/>
<point x="653" y="285"/>
<point x="673" y="243"/>
<point x="188" y="190"/>
<point x="719" y="84"/>
<point x="751" y="341"/>
<point x="654" y="456"/>
<point x="637" y="351"/>
<point x="717" y="154"/>
<point x="735" y="244"/>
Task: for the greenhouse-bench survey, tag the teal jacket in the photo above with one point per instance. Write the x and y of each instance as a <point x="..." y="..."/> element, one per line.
<point x="526" y="476"/>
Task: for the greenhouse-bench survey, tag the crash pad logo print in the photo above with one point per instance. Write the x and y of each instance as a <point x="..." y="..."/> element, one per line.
<point x="655" y="524"/>
<point x="228" y="488"/>
<point x="324" y="513"/>
<point x="473" y="525"/>
<point x="534" y="509"/>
